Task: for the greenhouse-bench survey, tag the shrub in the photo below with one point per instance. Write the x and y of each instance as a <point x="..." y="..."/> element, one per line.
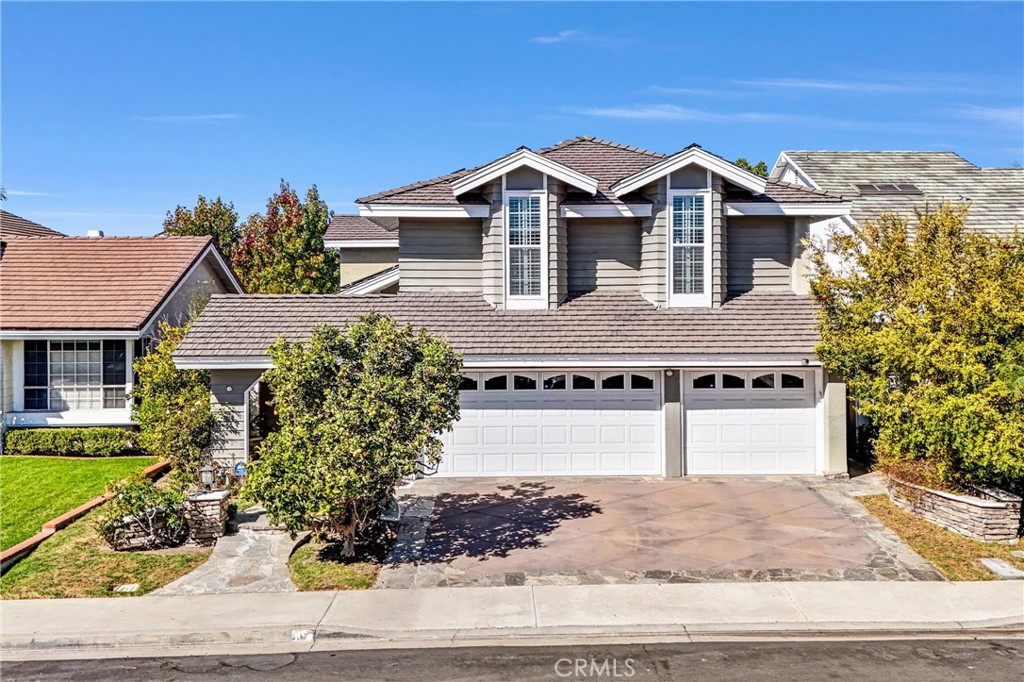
<point x="71" y="442"/>
<point x="140" y="515"/>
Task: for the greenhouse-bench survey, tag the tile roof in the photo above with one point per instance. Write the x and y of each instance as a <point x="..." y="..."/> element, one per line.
<point x="95" y="283"/>
<point x="596" y="323"/>
<point x="607" y="162"/>
<point x="776" y="191"/>
<point x="15" y="226"/>
<point x="996" y="194"/>
<point x="356" y="227"/>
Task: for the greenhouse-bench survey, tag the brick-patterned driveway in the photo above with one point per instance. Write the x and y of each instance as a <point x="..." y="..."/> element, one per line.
<point x="484" y="528"/>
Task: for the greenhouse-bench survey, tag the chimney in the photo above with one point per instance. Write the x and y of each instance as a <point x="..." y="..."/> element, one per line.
<point x="94" y="233"/>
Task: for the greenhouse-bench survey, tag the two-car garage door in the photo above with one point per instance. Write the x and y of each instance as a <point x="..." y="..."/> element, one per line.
<point x="578" y="423"/>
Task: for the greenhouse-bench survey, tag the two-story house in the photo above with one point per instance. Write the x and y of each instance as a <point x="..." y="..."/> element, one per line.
<point x="620" y="312"/>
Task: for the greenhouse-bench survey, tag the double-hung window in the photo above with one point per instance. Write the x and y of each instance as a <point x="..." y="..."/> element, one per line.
<point x="525" y="257"/>
<point x="689" y="257"/>
<point x="76" y="375"/>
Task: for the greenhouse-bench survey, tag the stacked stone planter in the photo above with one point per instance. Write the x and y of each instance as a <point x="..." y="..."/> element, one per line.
<point x="207" y="514"/>
<point x="990" y="515"/>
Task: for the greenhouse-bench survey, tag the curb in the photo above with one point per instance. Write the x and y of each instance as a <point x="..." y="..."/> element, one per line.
<point x="13" y="555"/>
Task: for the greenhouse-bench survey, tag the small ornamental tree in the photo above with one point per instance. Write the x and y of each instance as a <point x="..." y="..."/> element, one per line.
<point x="927" y="327"/>
<point x="356" y="410"/>
<point x="283" y="251"/>
<point x="759" y="168"/>
<point x="172" y="406"/>
<point x="214" y="218"/>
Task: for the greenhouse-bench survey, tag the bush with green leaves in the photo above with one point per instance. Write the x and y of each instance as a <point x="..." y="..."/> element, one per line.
<point x="95" y="441"/>
<point x="172" y="406"/>
<point x="142" y="515"/>
<point x="356" y="410"/>
<point x="926" y="325"/>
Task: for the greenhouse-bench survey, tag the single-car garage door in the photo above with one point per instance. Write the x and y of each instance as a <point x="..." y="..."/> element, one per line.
<point x="559" y="422"/>
<point x="749" y="422"/>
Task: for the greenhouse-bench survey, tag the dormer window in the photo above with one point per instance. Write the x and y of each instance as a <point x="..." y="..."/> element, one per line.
<point x="690" y="248"/>
<point x="525" y="257"/>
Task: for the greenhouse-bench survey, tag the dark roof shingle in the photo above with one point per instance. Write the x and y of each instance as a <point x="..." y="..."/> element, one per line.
<point x="357" y="228"/>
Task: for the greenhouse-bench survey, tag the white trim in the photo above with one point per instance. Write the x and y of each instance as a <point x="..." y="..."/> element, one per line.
<point x="755" y="208"/>
<point x="103" y="417"/>
<point x="258" y="362"/>
<point x="697" y="156"/>
<point x="184" y="278"/>
<point x="424" y="211"/>
<point x="605" y="210"/>
<point x="72" y="334"/>
<point x="541" y="300"/>
<point x="701" y="300"/>
<point x="530" y="159"/>
<point x="371" y="284"/>
<point x="784" y="162"/>
<point x="361" y="243"/>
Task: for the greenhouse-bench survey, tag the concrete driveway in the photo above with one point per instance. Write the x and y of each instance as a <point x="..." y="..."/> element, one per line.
<point x="507" y="531"/>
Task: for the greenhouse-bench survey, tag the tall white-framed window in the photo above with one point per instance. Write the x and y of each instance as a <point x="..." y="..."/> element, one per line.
<point x="689" y="257"/>
<point x="526" y="249"/>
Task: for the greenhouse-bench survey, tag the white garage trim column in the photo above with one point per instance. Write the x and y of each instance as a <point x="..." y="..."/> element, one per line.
<point x="833" y="427"/>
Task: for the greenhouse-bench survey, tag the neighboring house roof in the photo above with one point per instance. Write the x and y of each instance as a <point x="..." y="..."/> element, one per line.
<point x="357" y="228"/>
<point x="996" y="194"/>
<point x="785" y="192"/>
<point x="15" y="226"/>
<point x="607" y="162"/>
<point x="93" y="283"/>
<point x="241" y="328"/>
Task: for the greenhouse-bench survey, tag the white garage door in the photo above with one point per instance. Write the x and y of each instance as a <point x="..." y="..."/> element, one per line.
<point x="749" y="422"/>
<point x="559" y="422"/>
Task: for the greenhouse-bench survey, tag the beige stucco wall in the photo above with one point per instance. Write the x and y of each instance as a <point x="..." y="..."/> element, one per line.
<point x="204" y="279"/>
<point x="7" y="375"/>
<point x="357" y="264"/>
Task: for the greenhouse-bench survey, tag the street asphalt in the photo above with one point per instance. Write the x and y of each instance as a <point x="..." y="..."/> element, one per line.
<point x="922" y="660"/>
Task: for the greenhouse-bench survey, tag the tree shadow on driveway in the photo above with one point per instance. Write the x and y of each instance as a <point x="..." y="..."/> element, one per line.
<point x="492" y="524"/>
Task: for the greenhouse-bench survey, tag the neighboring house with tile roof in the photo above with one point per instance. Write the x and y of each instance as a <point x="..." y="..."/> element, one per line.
<point x="620" y="312"/>
<point x="75" y="311"/>
<point x="899" y="182"/>
<point x="15" y="226"/>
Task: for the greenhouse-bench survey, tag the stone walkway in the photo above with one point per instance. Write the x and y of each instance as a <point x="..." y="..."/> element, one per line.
<point x="254" y="559"/>
<point x="570" y="532"/>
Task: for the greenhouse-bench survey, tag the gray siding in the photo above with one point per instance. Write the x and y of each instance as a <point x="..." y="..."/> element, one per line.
<point x="558" y="256"/>
<point x="230" y="435"/>
<point x="760" y="254"/>
<point x="604" y="253"/>
<point x="719" y="243"/>
<point x="440" y="255"/>
<point x="493" y="245"/>
<point x="654" y="245"/>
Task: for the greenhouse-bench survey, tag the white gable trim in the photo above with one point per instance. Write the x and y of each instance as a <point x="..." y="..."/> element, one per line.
<point x="361" y="243"/>
<point x="784" y="162"/>
<point x="605" y="210"/>
<point x="424" y="211"/>
<point x="372" y="284"/>
<point x="524" y="157"/>
<point x="756" y="208"/>
<point x="691" y="156"/>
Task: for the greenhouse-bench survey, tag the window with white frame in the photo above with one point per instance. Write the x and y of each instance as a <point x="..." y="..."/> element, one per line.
<point x="76" y="375"/>
<point x="526" y="232"/>
<point x="690" y="245"/>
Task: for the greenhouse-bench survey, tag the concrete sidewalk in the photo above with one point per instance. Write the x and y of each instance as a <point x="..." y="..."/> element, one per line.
<point x="373" y="618"/>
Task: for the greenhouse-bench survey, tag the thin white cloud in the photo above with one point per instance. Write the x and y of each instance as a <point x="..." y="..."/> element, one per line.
<point x="672" y="112"/>
<point x="560" y="37"/>
<point x="26" y="193"/>
<point x="190" y="118"/>
<point x="697" y="92"/>
<point x="578" y="37"/>
<point x="828" y="85"/>
<point x="1008" y="116"/>
<point x="893" y="84"/>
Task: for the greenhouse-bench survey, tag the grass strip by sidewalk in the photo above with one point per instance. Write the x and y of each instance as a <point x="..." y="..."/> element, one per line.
<point x="319" y="566"/>
<point x="34" y="490"/>
<point x="953" y="554"/>
<point x="76" y="562"/>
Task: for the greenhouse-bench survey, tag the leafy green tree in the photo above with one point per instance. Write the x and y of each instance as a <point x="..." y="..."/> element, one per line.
<point x="927" y="327"/>
<point x="214" y="218"/>
<point x="760" y="168"/>
<point x="172" y="406"/>
<point x="283" y="251"/>
<point x="356" y="410"/>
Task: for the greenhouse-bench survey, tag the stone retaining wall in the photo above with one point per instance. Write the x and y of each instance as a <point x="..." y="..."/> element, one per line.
<point x="991" y="516"/>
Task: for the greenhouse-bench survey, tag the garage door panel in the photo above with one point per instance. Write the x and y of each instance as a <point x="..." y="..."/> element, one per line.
<point x="643" y="434"/>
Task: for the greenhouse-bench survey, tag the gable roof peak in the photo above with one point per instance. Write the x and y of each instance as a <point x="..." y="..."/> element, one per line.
<point x="596" y="140"/>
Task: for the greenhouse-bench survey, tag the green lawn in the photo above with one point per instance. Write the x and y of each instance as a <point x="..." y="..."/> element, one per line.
<point x="33" y="490"/>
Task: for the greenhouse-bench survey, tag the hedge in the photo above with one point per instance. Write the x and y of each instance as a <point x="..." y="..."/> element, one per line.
<point x="98" y="441"/>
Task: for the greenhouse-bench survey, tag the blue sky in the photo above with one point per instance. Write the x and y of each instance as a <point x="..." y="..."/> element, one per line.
<point x="114" y="113"/>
